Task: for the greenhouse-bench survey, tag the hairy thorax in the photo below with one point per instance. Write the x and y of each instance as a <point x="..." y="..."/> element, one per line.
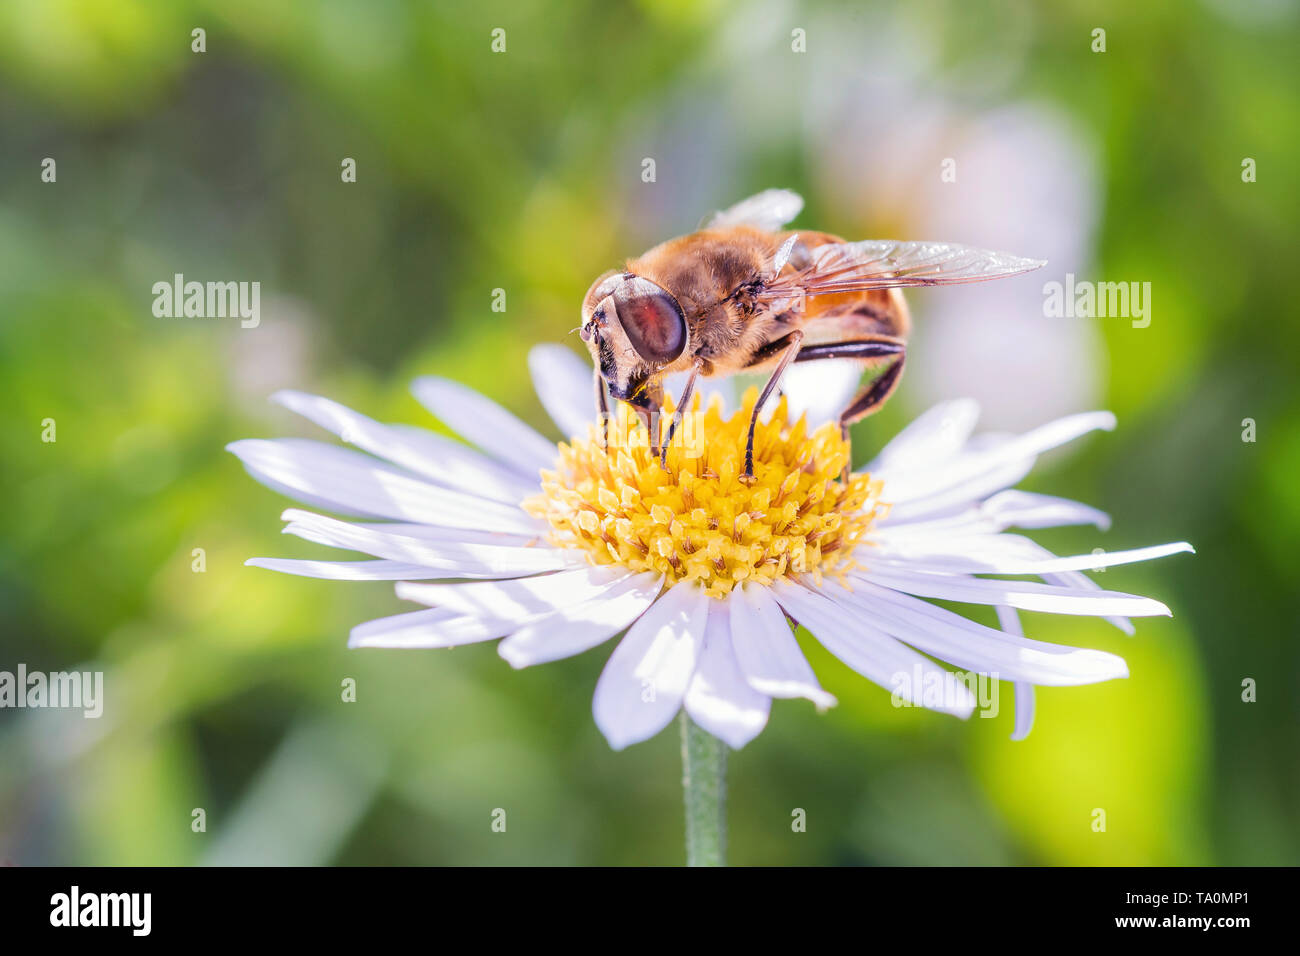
<point x="708" y="273"/>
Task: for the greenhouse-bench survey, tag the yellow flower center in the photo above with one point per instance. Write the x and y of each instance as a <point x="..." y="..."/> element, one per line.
<point x="697" y="520"/>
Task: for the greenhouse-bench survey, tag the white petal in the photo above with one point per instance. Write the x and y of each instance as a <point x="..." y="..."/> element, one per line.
<point x="957" y="544"/>
<point x="1026" y="595"/>
<point x="646" y="677"/>
<point x="771" y="209"/>
<point x="979" y="463"/>
<point x="719" y="699"/>
<point x="1010" y="622"/>
<point x="436" y="628"/>
<point x="766" y="650"/>
<point x="582" y="627"/>
<point x="926" y="540"/>
<point x="455" y="558"/>
<point x="448" y="627"/>
<point x="908" y="504"/>
<point x="357" y="482"/>
<point x="346" y="570"/>
<point x="973" y="646"/>
<point x="565" y="386"/>
<point x="456" y="458"/>
<point x="966" y="521"/>
<point x="294" y="489"/>
<point x="1025" y="509"/>
<point x="995" y="563"/>
<point x="1077" y="579"/>
<point x="874" y="654"/>
<point x="935" y="436"/>
<point x="436" y="457"/>
<point x="486" y="424"/>
<point x="428" y="532"/>
<point x="517" y="599"/>
<point x="1006" y="509"/>
<point x="1061" y="431"/>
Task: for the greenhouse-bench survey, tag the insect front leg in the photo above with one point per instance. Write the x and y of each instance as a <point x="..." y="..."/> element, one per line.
<point x="602" y="410"/>
<point x="793" y="341"/>
<point x="683" y="402"/>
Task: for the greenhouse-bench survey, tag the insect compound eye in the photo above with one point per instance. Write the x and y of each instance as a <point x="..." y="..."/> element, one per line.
<point x="652" y="320"/>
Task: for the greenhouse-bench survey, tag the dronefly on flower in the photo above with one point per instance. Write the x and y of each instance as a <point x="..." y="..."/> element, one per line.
<point x="559" y="549"/>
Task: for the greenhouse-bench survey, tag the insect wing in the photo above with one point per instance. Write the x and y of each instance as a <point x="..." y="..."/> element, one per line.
<point x="886" y="264"/>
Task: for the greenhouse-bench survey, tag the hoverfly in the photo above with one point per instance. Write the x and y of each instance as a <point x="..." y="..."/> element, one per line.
<point x="742" y="294"/>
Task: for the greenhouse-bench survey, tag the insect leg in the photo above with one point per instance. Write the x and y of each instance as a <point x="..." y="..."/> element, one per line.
<point x="871" y="398"/>
<point x="864" y="349"/>
<point x="795" y="339"/>
<point x="683" y="402"/>
<point x="775" y="347"/>
<point x="878" y="347"/>
<point x="602" y="410"/>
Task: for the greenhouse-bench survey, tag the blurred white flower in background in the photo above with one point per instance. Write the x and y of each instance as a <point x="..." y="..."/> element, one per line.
<point x="277" y="352"/>
<point x="1023" y="183"/>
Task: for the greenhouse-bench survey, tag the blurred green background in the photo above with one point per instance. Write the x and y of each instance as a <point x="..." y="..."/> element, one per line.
<point x="522" y="171"/>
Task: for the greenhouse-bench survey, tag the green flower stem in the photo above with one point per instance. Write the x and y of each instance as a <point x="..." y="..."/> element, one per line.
<point x="704" y="780"/>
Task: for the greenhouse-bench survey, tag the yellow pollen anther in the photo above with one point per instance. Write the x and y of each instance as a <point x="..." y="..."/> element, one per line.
<point x="697" y="520"/>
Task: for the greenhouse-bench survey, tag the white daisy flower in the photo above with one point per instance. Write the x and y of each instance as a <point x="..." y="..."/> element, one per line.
<point x="558" y="549"/>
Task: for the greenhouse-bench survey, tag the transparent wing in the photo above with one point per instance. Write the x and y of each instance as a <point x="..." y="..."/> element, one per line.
<point x="884" y="264"/>
<point x="770" y="210"/>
